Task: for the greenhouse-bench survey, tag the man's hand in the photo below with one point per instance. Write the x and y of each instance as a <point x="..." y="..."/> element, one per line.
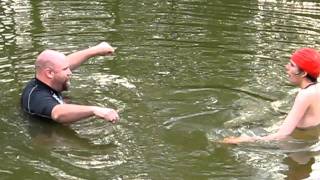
<point x="107" y="114"/>
<point x="103" y="49"/>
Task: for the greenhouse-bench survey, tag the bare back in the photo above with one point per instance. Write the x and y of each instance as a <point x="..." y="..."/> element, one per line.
<point x="311" y="117"/>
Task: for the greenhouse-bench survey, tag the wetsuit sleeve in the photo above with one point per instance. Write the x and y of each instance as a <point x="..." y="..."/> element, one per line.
<point x="41" y="104"/>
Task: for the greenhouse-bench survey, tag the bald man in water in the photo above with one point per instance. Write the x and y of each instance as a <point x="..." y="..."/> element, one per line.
<point x="303" y="70"/>
<point x="42" y="95"/>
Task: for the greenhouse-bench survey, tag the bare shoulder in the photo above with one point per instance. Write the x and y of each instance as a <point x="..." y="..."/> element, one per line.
<point x="308" y="94"/>
<point x="311" y="90"/>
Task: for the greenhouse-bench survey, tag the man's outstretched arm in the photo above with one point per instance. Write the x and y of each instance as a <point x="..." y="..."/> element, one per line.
<point x="68" y="113"/>
<point x="77" y="58"/>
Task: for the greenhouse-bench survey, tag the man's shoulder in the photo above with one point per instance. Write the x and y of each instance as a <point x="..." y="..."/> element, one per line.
<point x="29" y="85"/>
<point x="34" y="90"/>
<point x="33" y="85"/>
<point x="31" y="82"/>
<point x="38" y="99"/>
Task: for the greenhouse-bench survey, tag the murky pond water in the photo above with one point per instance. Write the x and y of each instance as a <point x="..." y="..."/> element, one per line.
<point x="185" y="73"/>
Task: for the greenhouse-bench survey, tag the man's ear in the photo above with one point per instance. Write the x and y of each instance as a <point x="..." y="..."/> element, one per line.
<point x="49" y="73"/>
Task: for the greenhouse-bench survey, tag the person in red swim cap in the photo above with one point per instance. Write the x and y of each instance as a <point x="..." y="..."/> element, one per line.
<point x="303" y="70"/>
<point x="308" y="61"/>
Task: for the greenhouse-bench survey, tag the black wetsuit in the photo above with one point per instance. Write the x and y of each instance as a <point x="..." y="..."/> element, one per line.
<point x="38" y="99"/>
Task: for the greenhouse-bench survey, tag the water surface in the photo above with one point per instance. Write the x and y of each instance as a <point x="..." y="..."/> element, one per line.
<point x="185" y="73"/>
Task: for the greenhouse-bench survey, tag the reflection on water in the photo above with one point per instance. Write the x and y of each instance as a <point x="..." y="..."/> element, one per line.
<point x="184" y="73"/>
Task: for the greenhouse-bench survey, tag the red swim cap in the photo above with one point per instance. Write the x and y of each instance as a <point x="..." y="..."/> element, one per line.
<point x="308" y="60"/>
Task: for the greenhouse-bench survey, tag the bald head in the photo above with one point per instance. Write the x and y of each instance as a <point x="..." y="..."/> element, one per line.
<point x="49" y="58"/>
<point x="52" y="68"/>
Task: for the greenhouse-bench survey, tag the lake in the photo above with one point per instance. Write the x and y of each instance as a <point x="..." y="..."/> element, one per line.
<point x="185" y="74"/>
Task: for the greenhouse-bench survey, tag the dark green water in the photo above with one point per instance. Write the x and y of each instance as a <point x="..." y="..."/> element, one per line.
<point x="185" y="73"/>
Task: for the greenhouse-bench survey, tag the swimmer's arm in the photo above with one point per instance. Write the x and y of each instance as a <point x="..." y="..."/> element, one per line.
<point x="68" y="113"/>
<point x="296" y="113"/>
<point x="77" y="58"/>
<point x="298" y="110"/>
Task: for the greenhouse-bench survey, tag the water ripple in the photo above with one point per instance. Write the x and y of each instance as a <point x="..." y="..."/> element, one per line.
<point x="184" y="72"/>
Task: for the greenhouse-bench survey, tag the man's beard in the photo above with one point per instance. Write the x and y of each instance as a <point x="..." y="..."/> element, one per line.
<point x="66" y="85"/>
